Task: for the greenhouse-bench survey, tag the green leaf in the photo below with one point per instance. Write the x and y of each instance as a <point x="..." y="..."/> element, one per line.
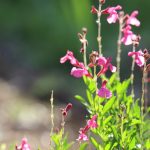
<point x="105" y="122"/>
<point x="91" y="84"/>
<point x="147" y="144"/>
<point x="135" y="121"/>
<point x="82" y="100"/>
<point x="112" y="78"/>
<point x="94" y="142"/>
<point x="136" y="110"/>
<point x="108" y="146"/>
<point x="114" y="145"/>
<point x="115" y="132"/>
<point x="122" y="88"/>
<point x="83" y="146"/>
<point x="89" y="96"/>
<point x="79" y="98"/>
<point x="132" y="143"/>
<point x="108" y="105"/>
<point x="128" y="104"/>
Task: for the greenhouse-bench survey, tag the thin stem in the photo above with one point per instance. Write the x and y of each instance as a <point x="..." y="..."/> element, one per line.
<point x="142" y="106"/>
<point x="63" y="130"/>
<point x="84" y="49"/>
<point x="132" y="74"/>
<point x="95" y="78"/>
<point x="118" y="59"/>
<point x="99" y="38"/>
<point x="52" y="119"/>
<point x="63" y="124"/>
<point x="122" y="128"/>
<point x="146" y="90"/>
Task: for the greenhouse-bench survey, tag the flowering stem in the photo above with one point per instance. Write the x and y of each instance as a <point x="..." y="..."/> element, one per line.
<point x="52" y="118"/>
<point x="132" y="74"/>
<point x="119" y="47"/>
<point x="99" y="38"/>
<point x="142" y="105"/>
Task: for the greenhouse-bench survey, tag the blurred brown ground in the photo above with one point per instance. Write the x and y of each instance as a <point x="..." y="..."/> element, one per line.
<point x="22" y="116"/>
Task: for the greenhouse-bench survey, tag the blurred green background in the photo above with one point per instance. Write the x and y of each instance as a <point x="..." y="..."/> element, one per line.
<point x="34" y="34"/>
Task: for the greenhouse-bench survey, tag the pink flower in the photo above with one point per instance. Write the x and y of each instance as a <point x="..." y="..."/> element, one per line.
<point x="24" y="145"/>
<point x="79" y="70"/>
<point x="113" y="15"/>
<point x="139" y="57"/>
<point x="66" y="109"/>
<point x="128" y="36"/>
<point x="82" y="133"/>
<point x="69" y="56"/>
<point x="92" y="122"/>
<point x="132" y="19"/>
<point x="103" y="91"/>
<point x="94" y="10"/>
<point x="82" y="137"/>
<point x="105" y="64"/>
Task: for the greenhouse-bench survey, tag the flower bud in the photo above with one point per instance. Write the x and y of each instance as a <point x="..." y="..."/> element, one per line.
<point x="93" y="57"/>
<point x="102" y="1"/>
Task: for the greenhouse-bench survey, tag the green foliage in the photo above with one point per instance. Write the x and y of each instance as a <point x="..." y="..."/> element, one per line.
<point x="119" y="118"/>
<point x="60" y="141"/>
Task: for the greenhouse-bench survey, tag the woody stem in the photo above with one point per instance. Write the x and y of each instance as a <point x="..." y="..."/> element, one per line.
<point x="99" y="38"/>
<point x="142" y="106"/>
<point x="119" y="48"/>
<point x="132" y="74"/>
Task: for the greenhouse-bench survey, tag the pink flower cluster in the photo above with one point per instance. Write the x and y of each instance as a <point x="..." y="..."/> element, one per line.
<point x="79" y="70"/>
<point x="113" y="15"/>
<point x="24" y="145"/>
<point x="83" y="131"/>
<point x="128" y="35"/>
<point x="128" y="20"/>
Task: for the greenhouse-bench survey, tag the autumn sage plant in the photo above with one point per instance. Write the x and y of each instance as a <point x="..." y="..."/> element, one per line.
<point x="117" y="121"/>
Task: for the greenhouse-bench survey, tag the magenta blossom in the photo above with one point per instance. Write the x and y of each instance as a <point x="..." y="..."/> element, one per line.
<point x="105" y="64"/>
<point x="94" y="10"/>
<point x="79" y="72"/>
<point x="132" y="20"/>
<point x="113" y="15"/>
<point x="69" y="56"/>
<point x="139" y="57"/>
<point x="92" y="122"/>
<point x="82" y="136"/>
<point x="82" y="133"/>
<point x="24" y="145"/>
<point x="104" y="92"/>
<point x="79" y="69"/>
<point x="128" y="36"/>
<point x="66" y="109"/>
